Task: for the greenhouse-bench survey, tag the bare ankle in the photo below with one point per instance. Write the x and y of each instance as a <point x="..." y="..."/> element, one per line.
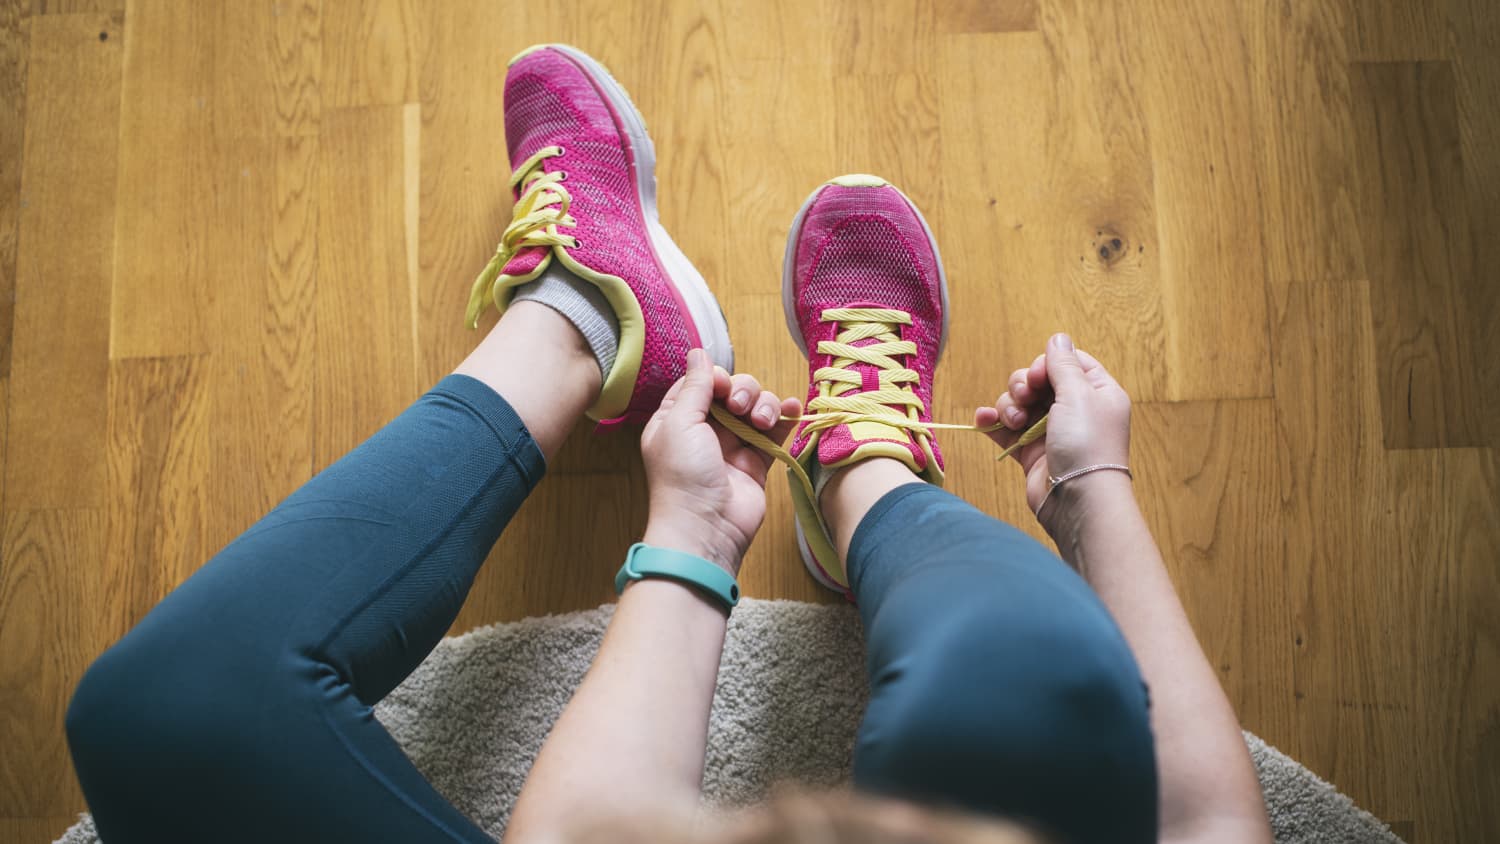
<point x="853" y="490"/>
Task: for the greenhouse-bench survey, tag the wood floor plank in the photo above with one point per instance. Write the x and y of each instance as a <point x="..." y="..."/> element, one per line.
<point x="1300" y="90"/>
<point x="988" y="16"/>
<point x="364" y="369"/>
<point x="193" y="106"/>
<point x="297" y="47"/>
<point x="35" y="830"/>
<point x="1049" y="215"/>
<point x="464" y="201"/>
<point x="1350" y="669"/>
<point x="1475" y="28"/>
<point x="262" y="369"/>
<point x="48" y="633"/>
<point x="1413" y="216"/>
<point x="881" y="37"/>
<point x="1198" y="109"/>
<point x="1439" y="670"/>
<point x="14" y="43"/>
<point x="887" y="125"/>
<point x="1397" y="30"/>
<point x="372" y="53"/>
<point x="60" y="353"/>
<point x="1207" y="477"/>
<point x="160" y="511"/>
<point x="73" y="7"/>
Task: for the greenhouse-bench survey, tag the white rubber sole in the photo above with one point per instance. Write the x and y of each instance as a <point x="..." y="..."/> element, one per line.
<point x="789" y="309"/>
<point x="703" y="307"/>
<point x="812" y="566"/>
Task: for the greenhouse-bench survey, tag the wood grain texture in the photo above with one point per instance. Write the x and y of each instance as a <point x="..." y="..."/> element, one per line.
<point x="987" y="16"/>
<point x="62" y="326"/>
<point x="363" y="378"/>
<point x="1206" y="475"/>
<point x="372" y="53"/>
<point x="160" y="510"/>
<point x="39" y="830"/>
<point x="1475" y="28"/>
<point x="1414" y="225"/>
<point x="231" y="264"/>
<point x="69" y="7"/>
<point x="1049" y="222"/>
<point x="1198" y="110"/>
<point x="1299" y="87"/>
<point x="49" y="584"/>
<point x="1397" y="30"/>
<point x="14" y="43"/>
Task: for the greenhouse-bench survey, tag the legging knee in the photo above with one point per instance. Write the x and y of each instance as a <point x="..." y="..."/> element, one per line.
<point x="1038" y="718"/>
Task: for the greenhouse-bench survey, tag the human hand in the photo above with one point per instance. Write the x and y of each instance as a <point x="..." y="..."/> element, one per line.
<point x="707" y="487"/>
<point x="1088" y="421"/>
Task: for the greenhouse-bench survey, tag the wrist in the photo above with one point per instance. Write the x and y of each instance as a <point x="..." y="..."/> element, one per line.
<point x="692" y="536"/>
<point x="1074" y="503"/>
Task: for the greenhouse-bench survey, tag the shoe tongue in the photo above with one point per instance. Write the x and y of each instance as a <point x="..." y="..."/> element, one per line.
<point x="849" y="440"/>
<point x="527" y="261"/>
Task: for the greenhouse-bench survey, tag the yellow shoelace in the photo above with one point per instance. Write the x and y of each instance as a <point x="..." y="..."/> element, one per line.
<point x="541" y="208"/>
<point x="885" y="405"/>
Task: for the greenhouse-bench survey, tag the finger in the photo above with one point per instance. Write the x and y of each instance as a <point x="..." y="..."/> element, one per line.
<point x="987" y="416"/>
<point x="767" y="411"/>
<point x="691" y="405"/>
<point x="742" y="392"/>
<point x="1012" y="413"/>
<point x="1018" y="387"/>
<point x="736" y="453"/>
<point x="722" y="382"/>
<point x="1063" y="367"/>
<point x="1036" y="374"/>
<point x="789" y="407"/>
<point x="672" y="393"/>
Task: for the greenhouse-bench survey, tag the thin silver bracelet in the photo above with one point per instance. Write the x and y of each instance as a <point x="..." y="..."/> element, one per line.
<point x="1068" y="476"/>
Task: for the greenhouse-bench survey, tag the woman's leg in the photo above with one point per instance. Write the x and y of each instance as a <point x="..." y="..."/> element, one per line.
<point x="243" y="702"/>
<point x="999" y="683"/>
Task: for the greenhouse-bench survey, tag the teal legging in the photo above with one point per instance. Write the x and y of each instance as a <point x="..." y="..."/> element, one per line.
<point x="243" y="702"/>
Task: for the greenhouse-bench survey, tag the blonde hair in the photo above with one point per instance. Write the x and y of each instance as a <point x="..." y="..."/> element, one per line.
<point x="827" y="818"/>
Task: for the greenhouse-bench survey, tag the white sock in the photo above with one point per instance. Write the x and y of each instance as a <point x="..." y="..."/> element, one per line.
<point x="583" y="304"/>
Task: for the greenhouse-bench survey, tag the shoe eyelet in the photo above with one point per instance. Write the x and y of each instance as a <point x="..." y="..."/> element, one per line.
<point x="562" y="175"/>
<point x="561" y="151"/>
<point x="577" y="244"/>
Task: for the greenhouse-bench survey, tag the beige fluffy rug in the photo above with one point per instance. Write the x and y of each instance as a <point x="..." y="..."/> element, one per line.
<point x="790" y="694"/>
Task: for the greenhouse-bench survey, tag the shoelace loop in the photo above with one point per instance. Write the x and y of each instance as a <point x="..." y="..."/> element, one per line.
<point x="885" y="404"/>
<point x="893" y="402"/>
<point x="541" y="207"/>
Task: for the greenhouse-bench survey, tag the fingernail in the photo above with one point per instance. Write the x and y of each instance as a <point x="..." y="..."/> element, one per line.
<point x="1063" y="340"/>
<point x="1012" y="416"/>
<point x="693" y="357"/>
<point x="741" y="398"/>
<point x="766" y="414"/>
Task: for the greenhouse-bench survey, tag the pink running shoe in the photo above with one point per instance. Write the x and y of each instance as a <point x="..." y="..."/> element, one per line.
<point x="585" y="186"/>
<point x="867" y="302"/>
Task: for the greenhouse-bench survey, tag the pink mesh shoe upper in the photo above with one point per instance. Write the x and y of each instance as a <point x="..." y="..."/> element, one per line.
<point x="551" y="100"/>
<point x="866" y="247"/>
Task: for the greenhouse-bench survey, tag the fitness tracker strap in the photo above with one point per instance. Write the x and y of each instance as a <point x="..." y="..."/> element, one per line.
<point x="644" y="561"/>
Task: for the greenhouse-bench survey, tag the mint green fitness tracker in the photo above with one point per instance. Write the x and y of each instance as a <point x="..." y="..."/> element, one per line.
<point x="644" y="561"/>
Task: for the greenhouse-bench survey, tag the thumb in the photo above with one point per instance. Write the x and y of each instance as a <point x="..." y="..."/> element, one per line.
<point x="1064" y="369"/>
<point x="697" y="390"/>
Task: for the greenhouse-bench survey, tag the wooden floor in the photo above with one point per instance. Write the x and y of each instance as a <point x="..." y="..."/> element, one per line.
<point x="237" y="237"/>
